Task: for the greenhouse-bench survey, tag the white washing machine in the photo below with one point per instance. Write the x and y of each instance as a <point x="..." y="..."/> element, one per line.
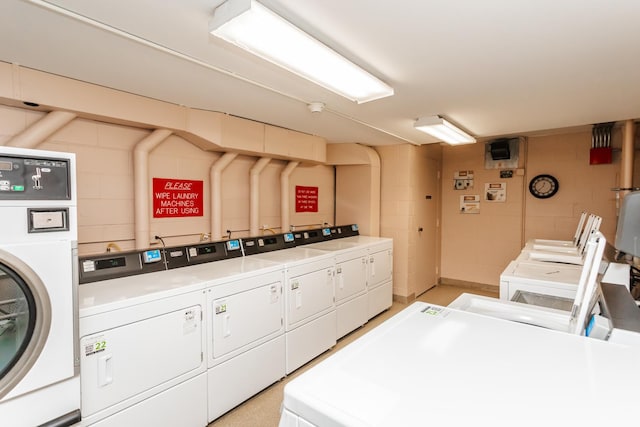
<point x="432" y="365"/>
<point x="245" y="329"/>
<point x="573" y="320"/>
<point x="562" y="254"/>
<point x="379" y="260"/>
<point x="39" y="382"/>
<point x="310" y="315"/>
<point x="142" y="347"/>
<point x="352" y="304"/>
<point x="188" y="334"/>
<point x="379" y="271"/>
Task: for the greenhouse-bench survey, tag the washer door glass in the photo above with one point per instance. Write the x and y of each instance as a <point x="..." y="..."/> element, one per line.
<point x="17" y="318"/>
<point x="25" y="320"/>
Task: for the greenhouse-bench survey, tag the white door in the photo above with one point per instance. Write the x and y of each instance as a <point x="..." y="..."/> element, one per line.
<point x="241" y="319"/>
<point x="309" y="294"/>
<point x="351" y="278"/>
<point x="380" y="264"/>
<point x="427" y="226"/>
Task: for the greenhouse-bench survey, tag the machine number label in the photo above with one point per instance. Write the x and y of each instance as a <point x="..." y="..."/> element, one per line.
<point x="221" y="308"/>
<point x="432" y="310"/>
<point x="98" y="346"/>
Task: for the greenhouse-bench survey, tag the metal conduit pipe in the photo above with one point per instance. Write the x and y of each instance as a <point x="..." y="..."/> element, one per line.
<point x="254" y="195"/>
<point x="42" y="129"/>
<point x="285" y="222"/>
<point x="627" y="159"/>
<point x="216" y="193"/>
<point x="141" y="184"/>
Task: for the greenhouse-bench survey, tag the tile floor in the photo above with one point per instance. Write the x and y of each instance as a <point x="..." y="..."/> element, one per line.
<point x="263" y="410"/>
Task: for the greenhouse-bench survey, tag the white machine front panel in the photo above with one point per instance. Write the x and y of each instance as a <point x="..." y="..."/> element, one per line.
<point x="184" y="405"/>
<point x="351" y="278"/>
<point x="309" y="294"/>
<point x="380" y="299"/>
<point x="120" y="363"/>
<point x="244" y="318"/>
<point x="380" y="267"/>
<point x="234" y="381"/>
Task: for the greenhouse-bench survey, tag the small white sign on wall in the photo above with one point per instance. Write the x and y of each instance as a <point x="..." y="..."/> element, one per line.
<point x="470" y="204"/>
<point x="495" y="192"/>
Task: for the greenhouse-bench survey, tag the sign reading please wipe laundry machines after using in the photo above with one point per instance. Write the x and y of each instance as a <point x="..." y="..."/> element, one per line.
<point x="177" y="198"/>
<point x="306" y="199"/>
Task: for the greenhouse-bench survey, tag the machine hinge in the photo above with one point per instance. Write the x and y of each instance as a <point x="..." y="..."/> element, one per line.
<point x="201" y="356"/>
<point x="201" y="316"/>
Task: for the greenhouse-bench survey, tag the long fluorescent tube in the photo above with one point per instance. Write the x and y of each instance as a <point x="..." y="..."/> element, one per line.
<point x="445" y="131"/>
<point x="253" y="27"/>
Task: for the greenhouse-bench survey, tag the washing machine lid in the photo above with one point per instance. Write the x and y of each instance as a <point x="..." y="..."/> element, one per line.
<point x="417" y="368"/>
<point x="541" y="272"/>
<point x="294" y="255"/>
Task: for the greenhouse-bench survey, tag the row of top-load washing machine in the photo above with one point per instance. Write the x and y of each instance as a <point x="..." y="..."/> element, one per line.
<point x="553" y="268"/>
<point x="566" y="286"/>
<point x="179" y="336"/>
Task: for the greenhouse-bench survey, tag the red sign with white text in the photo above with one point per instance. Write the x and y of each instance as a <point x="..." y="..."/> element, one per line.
<point x="306" y="199"/>
<point x="177" y="198"/>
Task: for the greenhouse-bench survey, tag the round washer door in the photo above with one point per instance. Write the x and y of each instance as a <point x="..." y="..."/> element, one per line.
<point x="25" y="320"/>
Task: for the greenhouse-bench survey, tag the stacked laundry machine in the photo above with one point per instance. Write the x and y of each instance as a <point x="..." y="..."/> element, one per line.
<point x="39" y="381"/>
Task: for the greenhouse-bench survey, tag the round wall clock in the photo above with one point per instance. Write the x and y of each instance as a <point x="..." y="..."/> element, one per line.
<point x="543" y="186"/>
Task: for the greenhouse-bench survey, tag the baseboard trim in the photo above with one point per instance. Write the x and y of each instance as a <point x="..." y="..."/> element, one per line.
<point x="465" y="284"/>
<point x="404" y="299"/>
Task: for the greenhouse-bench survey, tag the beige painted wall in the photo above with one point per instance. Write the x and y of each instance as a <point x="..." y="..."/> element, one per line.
<point x="477" y="248"/>
<point x="582" y="186"/>
<point x="403" y="189"/>
<point x="105" y="182"/>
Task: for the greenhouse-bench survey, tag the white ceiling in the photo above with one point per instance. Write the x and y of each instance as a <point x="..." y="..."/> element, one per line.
<point x="495" y="67"/>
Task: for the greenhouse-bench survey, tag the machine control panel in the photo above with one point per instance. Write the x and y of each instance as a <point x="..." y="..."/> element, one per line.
<point x="31" y="178"/>
<point x="275" y="242"/>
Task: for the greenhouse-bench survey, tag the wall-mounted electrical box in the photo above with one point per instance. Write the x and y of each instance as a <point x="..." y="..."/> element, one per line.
<point x="502" y="153"/>
<point x="462" y="180"/>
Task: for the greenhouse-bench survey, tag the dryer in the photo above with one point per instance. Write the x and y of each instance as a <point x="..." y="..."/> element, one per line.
<point x="379" y="271"/>
<point x="142" y="347"/>
<point x="39" y="380"/>
<point x="196" y="330"/>
<point x="310" y="314"/>
<point x="352" y="308"/>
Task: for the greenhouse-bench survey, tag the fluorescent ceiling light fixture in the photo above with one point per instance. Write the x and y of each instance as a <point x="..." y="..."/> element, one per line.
<point x="253" y="27"/>
<point x="443" y="130"/>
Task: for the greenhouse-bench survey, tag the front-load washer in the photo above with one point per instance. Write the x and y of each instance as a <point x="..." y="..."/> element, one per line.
<point x="39" y="382"/>
<point x="310" y="315"/>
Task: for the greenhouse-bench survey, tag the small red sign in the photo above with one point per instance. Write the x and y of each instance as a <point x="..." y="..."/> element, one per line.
<point x="306" y="199"/>
<point x="177" y="198"/>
